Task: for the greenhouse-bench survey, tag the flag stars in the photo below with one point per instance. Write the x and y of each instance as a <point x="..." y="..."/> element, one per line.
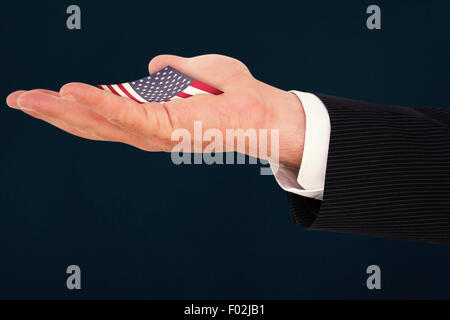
<point x="164" y="84"/>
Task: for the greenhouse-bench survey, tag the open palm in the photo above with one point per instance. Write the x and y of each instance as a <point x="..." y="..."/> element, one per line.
<point x="91" y="113"/>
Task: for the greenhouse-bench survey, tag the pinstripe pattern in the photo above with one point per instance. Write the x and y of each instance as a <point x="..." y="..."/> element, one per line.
<point x="388" y="173"/>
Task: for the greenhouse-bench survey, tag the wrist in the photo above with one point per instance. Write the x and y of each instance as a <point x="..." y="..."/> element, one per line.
<point x="286" y="115"/>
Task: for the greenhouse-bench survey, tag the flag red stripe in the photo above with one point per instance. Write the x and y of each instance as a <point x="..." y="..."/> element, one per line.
<point x="99" y="86"/>
<point x="112" y="89"/>
<point x="203" y="86"/>
<point x="127" y="93"/>
<point x="184" y="95"/>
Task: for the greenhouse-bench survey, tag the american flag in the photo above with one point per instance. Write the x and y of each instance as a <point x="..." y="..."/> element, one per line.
<point x="165" y="85"/>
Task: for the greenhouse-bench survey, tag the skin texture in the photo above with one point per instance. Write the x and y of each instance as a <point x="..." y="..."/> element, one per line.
<point x="88" y="112"/>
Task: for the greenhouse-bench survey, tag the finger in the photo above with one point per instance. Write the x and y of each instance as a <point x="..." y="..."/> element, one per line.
<point x="50" y="92"/>
<point x="77" y="119"/>
<point x="61" y="125"/>
<point x="219" y="71"/>
<point x="146" y="120"/>
<point x="11" y="100"/>
<point x="141" y="144"/>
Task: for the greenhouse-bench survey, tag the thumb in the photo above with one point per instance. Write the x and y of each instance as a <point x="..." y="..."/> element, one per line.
<point x="219" y="71"/>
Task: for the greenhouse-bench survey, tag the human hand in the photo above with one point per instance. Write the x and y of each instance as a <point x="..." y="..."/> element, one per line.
<point x="246" y="103"/>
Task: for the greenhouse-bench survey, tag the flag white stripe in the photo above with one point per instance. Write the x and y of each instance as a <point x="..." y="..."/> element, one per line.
<point x="133" y="93"/>
<point x="194" y="91"/>
<point x="119" y="91"/>
<point x="105" y="88"/>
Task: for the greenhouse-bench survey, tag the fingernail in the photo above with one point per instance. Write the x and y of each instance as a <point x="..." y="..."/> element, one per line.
<point x="22" y="103"/>
<point x="11" y="99"/>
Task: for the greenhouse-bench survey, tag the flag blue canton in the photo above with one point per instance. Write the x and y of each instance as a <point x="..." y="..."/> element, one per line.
<point x="161" y="85"/>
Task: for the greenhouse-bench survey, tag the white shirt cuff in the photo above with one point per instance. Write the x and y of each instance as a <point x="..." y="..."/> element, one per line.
<point x="309" y="181"/>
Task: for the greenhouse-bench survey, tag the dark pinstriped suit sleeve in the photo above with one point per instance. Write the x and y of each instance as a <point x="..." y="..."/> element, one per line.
<point x="388" y="173"/>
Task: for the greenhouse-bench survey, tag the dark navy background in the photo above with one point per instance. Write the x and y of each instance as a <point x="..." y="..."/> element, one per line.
<point x="141" y="227"/>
